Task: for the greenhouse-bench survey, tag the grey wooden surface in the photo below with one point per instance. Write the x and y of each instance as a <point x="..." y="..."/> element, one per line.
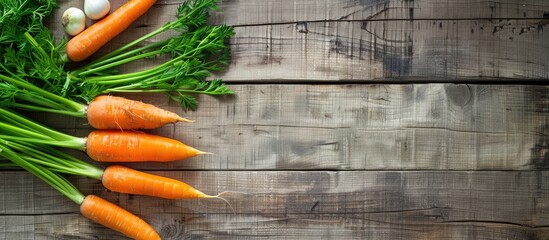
<point x="307" y="204"/>
<point x="350" y="127"/>
<point x="371" y="40"/>
<point x="353" y="119"/>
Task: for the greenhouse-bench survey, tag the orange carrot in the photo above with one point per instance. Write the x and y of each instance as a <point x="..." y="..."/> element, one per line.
<point x="116" y="218"/>
<point x="100" y="145"/>
<point x="90" y="40"/>
<point x="130" y="146"/>
<point x="110" y="112"/>
<point x="126" y="180"/>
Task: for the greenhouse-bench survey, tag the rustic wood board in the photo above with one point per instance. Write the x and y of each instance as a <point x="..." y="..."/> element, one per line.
<point x="309" y="204"/>
<point x="395" y="47"/>
<point x="418" y="126"/>
<point x="288" y="11"/>
<point x="429" y="50"/>
<point x="320" y="143"/>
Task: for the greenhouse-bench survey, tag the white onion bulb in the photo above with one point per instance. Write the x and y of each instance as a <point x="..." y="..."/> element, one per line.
<point x="96" y="9"/>
<point x="74" y="21"/>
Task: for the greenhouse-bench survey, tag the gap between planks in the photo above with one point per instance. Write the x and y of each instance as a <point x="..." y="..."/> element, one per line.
<point x="542" y="19"/>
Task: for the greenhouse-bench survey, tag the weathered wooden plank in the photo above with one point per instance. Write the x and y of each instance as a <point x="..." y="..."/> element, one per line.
<point x="443" y="50"/>
<point x="224" y="226"/>
<point x="355" y="204"/>
<point x="421" y="126"/>
<point x="250" y="12"/>
<point x="283" y="11"/>
<point x="347" y="127"/>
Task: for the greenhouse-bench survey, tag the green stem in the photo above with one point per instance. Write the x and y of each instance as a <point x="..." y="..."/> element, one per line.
<point x="47" y="103"/>
<point x="117" y="81"/>
<point x="7" y="165"/>
<point x="77" y="143"/>
<point x="30" y="87"/>
<point x="57" y="160"/>
<point x="181" y="90"/>
<point x="124" y="77"/>
<point x="131" y="87"/>
<point x="94" y="172"/>
<point x="36" y="45"/>
<point x="85" y="70"/>
<point x="132" y="43"/>
<point x="48" y="152"/>
<point x="50" y="110"/>
<point x="122" y="90"/>
<point x="24" y="123"/>
<point x="120" y="62"/>
<point x="20" y="132"/>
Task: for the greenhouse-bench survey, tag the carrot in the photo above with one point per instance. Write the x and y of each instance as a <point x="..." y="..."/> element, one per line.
<point x="90" y="40"/>
<point x="129" y="146"/>
<point x="100" y="145"/>
<point x="98" y="110"/>
<point x="126" y="180"/>
<point x="110" y="112"/>
<point x="116" y="218"/>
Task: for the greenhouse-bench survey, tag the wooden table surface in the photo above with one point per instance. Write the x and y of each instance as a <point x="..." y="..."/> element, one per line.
<point x="353" y="119"/>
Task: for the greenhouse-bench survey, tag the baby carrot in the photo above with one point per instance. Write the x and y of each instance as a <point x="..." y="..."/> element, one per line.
<point x="129" y="146"/>
<point x="110" y="112"/>
<point x="90" y="40"/>
<point x="116" y="218"/>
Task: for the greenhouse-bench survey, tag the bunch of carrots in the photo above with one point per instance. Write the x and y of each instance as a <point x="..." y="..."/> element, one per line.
<point x="32" y="147"/>
<point x="37" y="80"/>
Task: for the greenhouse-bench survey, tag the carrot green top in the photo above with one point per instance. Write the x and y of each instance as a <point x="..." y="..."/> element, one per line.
<point x="33" y="56"/>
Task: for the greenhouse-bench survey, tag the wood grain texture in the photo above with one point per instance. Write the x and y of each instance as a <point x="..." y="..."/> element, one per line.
<point x="271" y="12"/>
<point x="320" y="204"/>
<point x="320" y="158"/>
<point x="284" y="11"/>
<point x="350" y="127"/>
<point x="441" y="50"/>
<point x="393" y="48"/>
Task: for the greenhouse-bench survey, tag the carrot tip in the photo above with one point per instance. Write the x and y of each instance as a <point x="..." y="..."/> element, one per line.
<point x="204" y="153"/>
<point x="218" y="196"/>
<point x="185" y="120"/>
